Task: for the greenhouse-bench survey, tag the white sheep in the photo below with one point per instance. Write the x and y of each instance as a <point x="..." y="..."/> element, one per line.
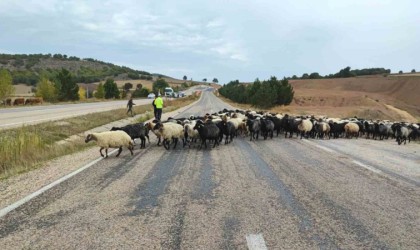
<point x="170" y="131"/>
<point x="111" y="139"/>
<point x="304" y="127"/>
<point x="190" y="133"/>
<point x="351" y="129"/>
<point x="150" y="126"/>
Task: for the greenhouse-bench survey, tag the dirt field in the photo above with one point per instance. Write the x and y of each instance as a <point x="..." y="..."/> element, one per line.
<point x="394" y="98"/>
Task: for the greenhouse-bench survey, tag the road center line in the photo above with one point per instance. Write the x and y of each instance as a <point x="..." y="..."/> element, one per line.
<point x="22" y="201"/>
<point x="255" y="242"/>
<point x="367" y="167"/>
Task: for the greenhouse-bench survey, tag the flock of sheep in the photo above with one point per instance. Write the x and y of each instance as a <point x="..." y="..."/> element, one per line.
<point x="229" y="124"/>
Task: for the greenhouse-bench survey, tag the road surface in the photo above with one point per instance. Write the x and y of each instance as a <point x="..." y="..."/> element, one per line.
<point x="15" y="117"/>
<point x="274" y="194"/>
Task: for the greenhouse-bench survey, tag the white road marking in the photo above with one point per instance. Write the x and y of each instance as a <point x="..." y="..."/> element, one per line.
<point x="20" y="202"/>
<point x="256" y="242"/>
<point x="32" y="121"/>
<point x="368" y="167"/>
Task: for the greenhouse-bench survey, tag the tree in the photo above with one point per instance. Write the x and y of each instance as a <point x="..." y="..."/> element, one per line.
<point x="305" y="76"/>
<point x="204" y="79"/>
<point x="400" y="72"/>
<point x="413" y="71"/>
<point x="185" y="78"/>
<point x="143" y="92"/>
<point x="159" y="85"/>
<point x="6" y="87"/>
<point x="111" y="89"/>
<point x="314" y="75"/>
<point x="215" y="80"/>
<point x="294" y="77"/>
<point x="139" y="86"/>
<point x="67" y="88"/>
<point x="46" y="89"/>
<point x="127" y="86"/>
<point x="100" y="91"/>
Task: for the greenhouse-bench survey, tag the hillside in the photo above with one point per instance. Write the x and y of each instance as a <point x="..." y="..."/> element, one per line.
<point x="27" y="69"/>
<point x="393" y="97"/>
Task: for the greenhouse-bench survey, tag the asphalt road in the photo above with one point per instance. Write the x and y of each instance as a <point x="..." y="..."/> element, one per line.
<point x="279" y="193"/>
<point x="18" y="116"/>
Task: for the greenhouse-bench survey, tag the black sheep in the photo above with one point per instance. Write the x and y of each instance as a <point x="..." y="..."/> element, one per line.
<point x="207" y="131"/>
<point x="228" y="129"/>
<point x="137" y="130"/>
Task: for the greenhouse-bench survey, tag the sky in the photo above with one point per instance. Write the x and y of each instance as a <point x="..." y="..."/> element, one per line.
<point x="227" y="40"/>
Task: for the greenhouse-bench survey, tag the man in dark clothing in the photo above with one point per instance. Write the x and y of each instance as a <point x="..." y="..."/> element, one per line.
<point x="154" y="107"/>
<point x="130" y="106"/>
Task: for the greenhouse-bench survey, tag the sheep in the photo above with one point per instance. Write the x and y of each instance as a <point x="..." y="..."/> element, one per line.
<point x="111" y="139"/>
<point x="304" y="127"/>
<point x="137" y="130"/>
<point x="267" y="128"/>
<point x="207" y="131"/>
<point x="228" y="129"/>
<point x="254" y="127"/>
<point x="170" y="131"/>
<point x="190" y="135"/>
<point x="401" y="134"/>
<point x="150" y="126"/>
<point x="322" y="128"/>
<point x="351" y="129"/>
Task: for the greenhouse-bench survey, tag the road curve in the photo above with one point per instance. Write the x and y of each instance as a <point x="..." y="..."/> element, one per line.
<point x="18" y="116"/>
<point x="279" y="193"/>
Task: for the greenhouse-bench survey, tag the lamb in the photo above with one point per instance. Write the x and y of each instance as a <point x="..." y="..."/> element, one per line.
<point x="137" y="130"/>
<point x="304" y="127"/>
<point x="207" y="131"/>
<point x="111" y="139"/>
<point x="351" y="129"/>
<point x="170" y="131"/>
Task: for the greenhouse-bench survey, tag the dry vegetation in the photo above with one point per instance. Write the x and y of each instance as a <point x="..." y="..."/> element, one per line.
<point x="372" y="97"/>
<point x="26" y="148"/>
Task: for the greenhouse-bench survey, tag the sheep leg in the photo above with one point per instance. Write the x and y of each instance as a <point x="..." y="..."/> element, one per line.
<point x="148" y="139"/>
<point x="100" y="151"/>
<point x="106" y="152"/>
<point x="130" y="147"/>
<point x="176" y="142"/>
<point x="119" y="152"/>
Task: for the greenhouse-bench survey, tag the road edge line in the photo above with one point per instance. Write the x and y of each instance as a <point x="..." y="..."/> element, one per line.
<point x="4" y="211"/>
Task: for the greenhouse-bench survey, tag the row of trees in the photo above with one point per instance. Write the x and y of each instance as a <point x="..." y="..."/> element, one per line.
<point x="215" y="80"/>
<point x="344" y="73"/>
<point x="265" y="94"/>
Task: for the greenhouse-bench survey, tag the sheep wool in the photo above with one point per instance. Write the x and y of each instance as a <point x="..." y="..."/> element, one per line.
<point x="111" y="139"/>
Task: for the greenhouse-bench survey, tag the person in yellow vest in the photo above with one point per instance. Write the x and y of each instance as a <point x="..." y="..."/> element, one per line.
<point x="159" y="106"/>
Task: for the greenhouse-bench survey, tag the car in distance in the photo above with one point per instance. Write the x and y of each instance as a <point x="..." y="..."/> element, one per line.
<point x="151" y="96"/>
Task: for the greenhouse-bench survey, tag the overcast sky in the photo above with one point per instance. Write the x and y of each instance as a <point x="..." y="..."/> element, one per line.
<point x="226" y="39"/>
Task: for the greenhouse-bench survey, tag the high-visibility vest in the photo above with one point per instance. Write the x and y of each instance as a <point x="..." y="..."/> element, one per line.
<point x="159" y="103"/>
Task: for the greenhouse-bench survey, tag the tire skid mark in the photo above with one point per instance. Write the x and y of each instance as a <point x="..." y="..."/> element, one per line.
<point x="120" y="170"/>
<point x="205" y="183"/>
<point x="231" y="226"/>
<point x="286" y="197"/>
<point x="385" y="170"/>
<point x="157" y="181"/>
<point x="351" y="224"/>
<point x="177" y="227"/>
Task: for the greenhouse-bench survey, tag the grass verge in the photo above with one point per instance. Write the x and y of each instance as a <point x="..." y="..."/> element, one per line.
<point x="28" y="147"/>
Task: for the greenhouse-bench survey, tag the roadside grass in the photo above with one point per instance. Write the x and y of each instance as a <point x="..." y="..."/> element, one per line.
<point x="28" y="147"/>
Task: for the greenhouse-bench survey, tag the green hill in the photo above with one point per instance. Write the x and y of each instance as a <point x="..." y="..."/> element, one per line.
<point x="27" y="69"/>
